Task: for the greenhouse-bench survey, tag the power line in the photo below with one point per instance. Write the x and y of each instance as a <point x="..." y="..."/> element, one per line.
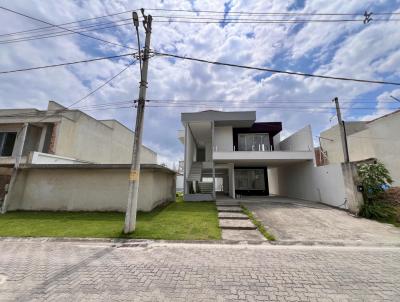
<point x="67" y="63"/>
<point x="48" y="23"/>
<point x="68" y="23"/>
<point x="276" y="70"/>
<point x="268" y="13"/>
<point x="101" y="86"/>
<point x="197" y="12"/>
<point x="52" y="31"/>
<point x="94" y="90"/>
<point x="44" y="36"/>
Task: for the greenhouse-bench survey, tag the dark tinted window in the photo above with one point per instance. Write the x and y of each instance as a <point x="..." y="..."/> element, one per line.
<point x="7" y="141"/>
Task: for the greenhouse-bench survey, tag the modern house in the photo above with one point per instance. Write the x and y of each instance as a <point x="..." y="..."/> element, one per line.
<point x="230" y="153"/>
<point x="378" y="138"/>
<point x="61" y="135"/>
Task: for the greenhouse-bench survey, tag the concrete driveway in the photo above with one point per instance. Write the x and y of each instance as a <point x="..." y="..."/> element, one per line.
<point x="292" y="220"/>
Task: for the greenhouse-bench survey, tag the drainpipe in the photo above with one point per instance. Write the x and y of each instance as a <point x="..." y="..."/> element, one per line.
<point x="22" y="135"/>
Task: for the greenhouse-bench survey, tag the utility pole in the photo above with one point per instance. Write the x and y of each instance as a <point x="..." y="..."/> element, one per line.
<point x="130" y="216"/>
<point x="342" y="131"/>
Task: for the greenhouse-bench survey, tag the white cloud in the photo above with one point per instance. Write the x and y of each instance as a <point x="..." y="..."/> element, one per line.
<point x="352" y="50"/>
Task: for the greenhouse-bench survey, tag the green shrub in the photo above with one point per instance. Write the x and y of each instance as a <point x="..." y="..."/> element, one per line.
<point x="375" y="179"/>
<point x="378" y="210"/>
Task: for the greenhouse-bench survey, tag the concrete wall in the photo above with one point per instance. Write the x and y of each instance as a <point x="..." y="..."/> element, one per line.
<point x="298" y="141"/>
<point x="88" y="188"/>
<point x="325" y="184"/>
<point x="378" y="139"/>
<point x="333" y="146"/>
<point x="223" y="139"/>
<point x="46" y="159"/>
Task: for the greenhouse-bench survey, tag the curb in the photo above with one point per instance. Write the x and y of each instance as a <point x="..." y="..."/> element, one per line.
<point x="144" y="242"/>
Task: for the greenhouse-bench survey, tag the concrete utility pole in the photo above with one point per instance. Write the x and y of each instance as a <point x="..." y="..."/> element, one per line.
<point x="130" y="216"/>
<point x="342" y="131"/>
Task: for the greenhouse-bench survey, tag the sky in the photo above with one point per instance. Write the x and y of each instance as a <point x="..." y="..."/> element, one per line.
<point x="345" y="49"/>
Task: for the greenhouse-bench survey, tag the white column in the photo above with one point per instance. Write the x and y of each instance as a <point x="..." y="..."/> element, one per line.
<point x="185" y="186"/>
<point x="212" y="157"/>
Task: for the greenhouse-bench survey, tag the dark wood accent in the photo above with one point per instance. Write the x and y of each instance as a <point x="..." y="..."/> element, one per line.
<point x="272" y="128"/>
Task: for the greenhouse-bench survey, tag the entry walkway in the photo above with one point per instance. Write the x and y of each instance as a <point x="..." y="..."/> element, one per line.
<point x="234" y="224"/>
<point x="293" y="220"/>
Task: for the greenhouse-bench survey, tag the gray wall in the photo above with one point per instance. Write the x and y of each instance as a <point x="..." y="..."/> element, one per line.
<point x="89" y="188"/>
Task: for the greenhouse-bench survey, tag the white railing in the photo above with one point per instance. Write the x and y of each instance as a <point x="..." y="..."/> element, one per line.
<point x="256" y="148"/>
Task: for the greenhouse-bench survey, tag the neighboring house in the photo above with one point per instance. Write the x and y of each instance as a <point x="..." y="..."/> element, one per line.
<point x="65" y="133"/>
<point x="231" y="153"/>
<point x="378" y="138"/>
<point x="63" y="159"/>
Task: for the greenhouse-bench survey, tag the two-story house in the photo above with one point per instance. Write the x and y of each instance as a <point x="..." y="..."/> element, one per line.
<point x="230" y="153"/>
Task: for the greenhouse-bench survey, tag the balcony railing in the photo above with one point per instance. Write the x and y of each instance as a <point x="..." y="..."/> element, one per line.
<point x="256" y="148"/>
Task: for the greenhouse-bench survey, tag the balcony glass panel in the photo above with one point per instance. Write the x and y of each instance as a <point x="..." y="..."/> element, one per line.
<point x="253" y="142"/>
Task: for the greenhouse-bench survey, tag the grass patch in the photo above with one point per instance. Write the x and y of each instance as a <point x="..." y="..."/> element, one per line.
<point x="258" y="224"/>
<point x="176" y="221"/>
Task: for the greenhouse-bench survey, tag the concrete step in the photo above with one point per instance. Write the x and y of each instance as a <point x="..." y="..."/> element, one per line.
<point x="236" y="224"/>
<point x="242" y="235"/>
<point x="228" y="203"/>
<point x="229" y="209"/>
<point x="232" y="215"/>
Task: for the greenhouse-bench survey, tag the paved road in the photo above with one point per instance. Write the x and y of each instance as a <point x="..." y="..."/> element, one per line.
<point x="296" y="220"/>
<point x="78" y="271"/>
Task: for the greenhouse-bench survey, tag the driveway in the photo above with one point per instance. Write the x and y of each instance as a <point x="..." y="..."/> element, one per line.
<point x="293" y="220"/>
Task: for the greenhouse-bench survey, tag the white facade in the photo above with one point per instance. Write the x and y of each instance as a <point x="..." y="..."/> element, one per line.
<point x="379" y="138"/>
<point x="68" y="133"/>
<point x="229" y="153"/>
<point x="219" y="145"/>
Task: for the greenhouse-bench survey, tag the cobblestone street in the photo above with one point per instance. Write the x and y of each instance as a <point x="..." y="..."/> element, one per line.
<point x="40" y="270"/>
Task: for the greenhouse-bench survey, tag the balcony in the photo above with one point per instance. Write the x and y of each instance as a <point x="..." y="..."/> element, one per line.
<point x="270" y="158"/>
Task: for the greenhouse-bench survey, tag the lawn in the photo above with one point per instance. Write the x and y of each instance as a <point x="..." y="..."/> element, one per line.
<point x="176" y="221"/>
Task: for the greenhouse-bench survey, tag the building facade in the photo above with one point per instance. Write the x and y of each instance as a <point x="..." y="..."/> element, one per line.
<point x="65" y="133"/>
<point x="230" y="153"/>
<point x="378" y="138"/>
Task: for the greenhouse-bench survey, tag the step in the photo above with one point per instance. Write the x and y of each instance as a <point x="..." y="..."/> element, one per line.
<point x="242" y="235"/>
<point x="232" y="215"/>
<point x="228" y="203"/>
<point x="229" y="209"/>
<point x="236" y="224"/>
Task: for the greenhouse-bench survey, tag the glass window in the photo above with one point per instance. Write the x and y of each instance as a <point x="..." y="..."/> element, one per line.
<point x="249" y="179"/>
<point x="7" y="141"/>
<point x="253" y="142"/>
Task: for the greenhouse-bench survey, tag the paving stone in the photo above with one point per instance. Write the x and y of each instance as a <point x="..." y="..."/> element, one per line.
<point x="242" y="235"/>
<point x="40" y="270"/>
<point x="232" y="215"/>
<point x="236" y="224"/>
<point x="229" y="209"/>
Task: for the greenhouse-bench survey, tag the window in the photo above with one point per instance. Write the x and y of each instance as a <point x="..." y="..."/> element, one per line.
<point x="253" y="142"/>
<point x="249" y="179"/>
<point x="7" y="141"/>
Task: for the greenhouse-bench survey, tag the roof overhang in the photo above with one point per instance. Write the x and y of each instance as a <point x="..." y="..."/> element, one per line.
<point x="234" y="118"/>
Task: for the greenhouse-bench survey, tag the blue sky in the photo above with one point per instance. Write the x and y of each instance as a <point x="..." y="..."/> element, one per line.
<point x="339" y="49"/>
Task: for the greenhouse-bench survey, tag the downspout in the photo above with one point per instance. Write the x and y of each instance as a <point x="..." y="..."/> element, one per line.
<point x="14" y="174"/>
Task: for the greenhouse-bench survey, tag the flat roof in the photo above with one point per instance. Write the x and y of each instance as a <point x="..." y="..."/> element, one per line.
<point x="220" y="117"/>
